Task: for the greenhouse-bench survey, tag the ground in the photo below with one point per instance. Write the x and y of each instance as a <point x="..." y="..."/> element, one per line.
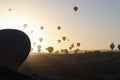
<point x="87" y="66"/>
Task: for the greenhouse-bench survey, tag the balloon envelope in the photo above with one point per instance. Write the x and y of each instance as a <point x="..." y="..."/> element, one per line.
<point x="64" y="38"/>
<point x="59" y="41"/>
<point x="9" y="9"/>
<point x="41" y="27"/>
<point x="58" y="27"/>
<point x="40" y="39"/>
<point x="25" y="25"/>
<point x="78" y="44"/>
<point x="75" y="8"/>
<point x="14" y="48"/>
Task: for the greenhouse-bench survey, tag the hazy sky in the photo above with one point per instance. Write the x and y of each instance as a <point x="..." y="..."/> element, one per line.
<point x="95" y="25"/>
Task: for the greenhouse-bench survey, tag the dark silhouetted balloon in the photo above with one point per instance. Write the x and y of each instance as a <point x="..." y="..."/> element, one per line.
<point x="78" y="44"/>
<point x="25" y="25"/>
<point x="39" y="46"/>
<point x="40" y="39"/>
<point x="50" y="49"/>
<point x="119" y="46"/>
<point x="32" y="31"/>
<point x="9" y="9"/>
<point x="59" y="41"/>
<point x="41" y="27"/>
<point x="64" y="38"/>
<point x="59" y="27"/>
<point x="14" y="48"/>
<point x="70" y="48"/>
<point x="68" y="39"/>
<point x="112" y="46"/>
<point x="75" y="8"/>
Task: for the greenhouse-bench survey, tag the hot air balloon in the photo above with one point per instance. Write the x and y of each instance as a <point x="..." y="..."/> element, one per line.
<point x="32" y="31"/>
<point x="59" y="27"/>
<point x="70" y="48"/>
<point x="10" y="9"/>
<point x="50" y="49"/>
<point x="59" y="41"/>
<point x="40" y="39"/>
<point x="34" y="43"/>
<point x="64" y="38"/>
<point x="75" y="8"/>
<point x="14" y="48"/>
<point x="25" y="25"/>
<point x="68" y="39"/>
<point x="41" y="27"/>
<point x="72" y="45"/>
<point x="78" y="44"/>
<point x="39" y="46"/>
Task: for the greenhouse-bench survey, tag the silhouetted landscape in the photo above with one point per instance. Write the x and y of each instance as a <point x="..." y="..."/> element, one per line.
<point x="59" y="40"/>
<point x="87" y="66"/>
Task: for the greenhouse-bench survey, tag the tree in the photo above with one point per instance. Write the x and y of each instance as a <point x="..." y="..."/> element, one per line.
<point x="50" y="49"/>
<point x="119" y="46"/>
<point x="112" y="46"/>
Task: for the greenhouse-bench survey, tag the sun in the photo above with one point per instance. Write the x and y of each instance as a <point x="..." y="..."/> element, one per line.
<point x="34" y="31"/>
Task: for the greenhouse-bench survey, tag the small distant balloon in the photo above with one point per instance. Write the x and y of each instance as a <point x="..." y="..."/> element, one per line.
<point x="70" y="48"/>
<point x="9" y="9"/>
<point x="64" y="38"/>
<point x="72" y="45"/>
<point x="25" y="25"/>
<point x="32" y="31"/>
<point x="75" y="8"/>
<point x="34" y="43"/>
<point x="59" y="41"/>
<point x="40" y="39"/>
<point x="59" y="27"/>
<point x="41" y="27"/>
<point x="78" y="44"/>
<point x="39" y="46"/>
<point x="68" y="39"/>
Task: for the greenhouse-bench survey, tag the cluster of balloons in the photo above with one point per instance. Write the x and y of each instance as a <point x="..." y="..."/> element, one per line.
<point x="50" y="49"/>
<point x="64" y="38"/>
<point x="72" y="45"/>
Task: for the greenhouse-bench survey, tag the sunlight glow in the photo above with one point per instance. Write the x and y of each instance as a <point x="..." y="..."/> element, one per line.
<point x="34" y="32"/>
